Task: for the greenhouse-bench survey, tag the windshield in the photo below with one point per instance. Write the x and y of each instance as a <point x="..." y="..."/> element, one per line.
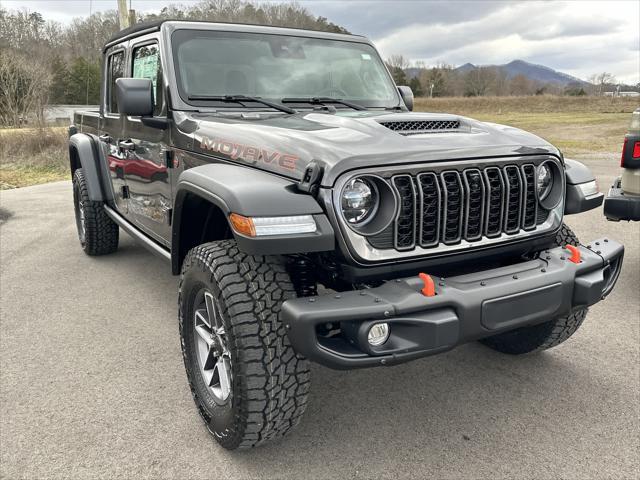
<point x="275" y="67"/>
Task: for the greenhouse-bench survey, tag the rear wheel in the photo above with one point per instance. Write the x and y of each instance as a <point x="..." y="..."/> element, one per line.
<point x="247" y="382"/>
<point x="545" y="335"/>
<point x="98" y="234"/>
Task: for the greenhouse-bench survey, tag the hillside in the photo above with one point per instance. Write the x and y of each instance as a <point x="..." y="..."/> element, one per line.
<point x="532" y="71"/>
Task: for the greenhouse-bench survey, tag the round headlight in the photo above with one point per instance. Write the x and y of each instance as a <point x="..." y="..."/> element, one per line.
<point x="545" y="181"/>
<point x="359" y="201"/>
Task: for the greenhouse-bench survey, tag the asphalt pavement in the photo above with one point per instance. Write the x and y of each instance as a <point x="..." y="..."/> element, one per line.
<point x="92" y="383"/>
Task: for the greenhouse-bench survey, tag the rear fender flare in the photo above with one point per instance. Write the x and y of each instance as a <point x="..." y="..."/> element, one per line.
<point x="85" y="153"/>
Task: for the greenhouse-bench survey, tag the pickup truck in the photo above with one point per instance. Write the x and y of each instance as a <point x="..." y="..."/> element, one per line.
<point x="623" y="200"/>
<point x="314" y="217"/>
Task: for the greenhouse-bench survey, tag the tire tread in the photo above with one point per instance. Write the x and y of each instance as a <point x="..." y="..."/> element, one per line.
<point x="274" y="379"/>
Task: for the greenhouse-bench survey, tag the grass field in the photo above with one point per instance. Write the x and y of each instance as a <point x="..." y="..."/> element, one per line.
<point x="579" y="126"/>
<point x="29" y="156"/>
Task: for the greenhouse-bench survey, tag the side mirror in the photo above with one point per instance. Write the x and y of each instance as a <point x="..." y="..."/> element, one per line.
<point x="135" y="96"/>
<point x="407" y="96"/>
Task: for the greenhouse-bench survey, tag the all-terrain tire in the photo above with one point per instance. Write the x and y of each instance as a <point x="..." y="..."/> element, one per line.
<point x="546" y="335"/>
<point x="269" y="380"/>
<point x="98" y="234"/>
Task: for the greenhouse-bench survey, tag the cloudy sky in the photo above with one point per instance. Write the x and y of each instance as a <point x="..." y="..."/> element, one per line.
<point x="577" y="37"/>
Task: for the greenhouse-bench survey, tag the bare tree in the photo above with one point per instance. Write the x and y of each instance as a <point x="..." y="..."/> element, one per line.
<point x="601" y="80"/>
<point x="520" y="85"/>
<point x="439" y="81"/>
<point x="478" y="81"/>
<point x="24" y="87"/>
<point x="398" y="61"/>
<point x="501" y="83"/>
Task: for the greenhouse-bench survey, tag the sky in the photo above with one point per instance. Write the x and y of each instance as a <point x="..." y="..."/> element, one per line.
<point x="577" y="37"/>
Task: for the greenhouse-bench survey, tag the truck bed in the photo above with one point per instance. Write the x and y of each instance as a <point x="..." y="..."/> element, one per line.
<point x="87" y="121"/>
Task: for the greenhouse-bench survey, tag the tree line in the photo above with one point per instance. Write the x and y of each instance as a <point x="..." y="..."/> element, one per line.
<point x="44" y="62"/>
<point x="445" y="80"/>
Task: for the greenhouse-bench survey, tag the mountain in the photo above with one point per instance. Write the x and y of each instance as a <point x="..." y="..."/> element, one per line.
<point x="532" y="71"/>
<point x="538" y="73"/>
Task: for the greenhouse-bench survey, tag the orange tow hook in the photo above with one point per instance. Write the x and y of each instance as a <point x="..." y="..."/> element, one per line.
<point x="575" y="253"/>
<point x="429" y="289"/>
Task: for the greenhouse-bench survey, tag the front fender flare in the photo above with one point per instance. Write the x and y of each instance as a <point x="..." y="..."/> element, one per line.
<point x="579" y="177"/>
<point x="252" y="193"/>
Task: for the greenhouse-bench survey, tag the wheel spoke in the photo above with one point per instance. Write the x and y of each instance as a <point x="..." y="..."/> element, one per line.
<point x="210" y="361"/>
<point x="204" y="334"/>
<point x="215" y="322"/>
<point x="202" y="320"/>
<point x="213" y="354"/>
<point x="223" y="368"/>
<point x="208" y="377"/>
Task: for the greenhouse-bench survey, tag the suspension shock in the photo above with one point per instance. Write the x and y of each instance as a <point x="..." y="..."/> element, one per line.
<point x="301" y="270"/>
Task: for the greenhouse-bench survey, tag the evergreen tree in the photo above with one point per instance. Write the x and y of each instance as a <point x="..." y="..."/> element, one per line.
<point x="416" y="86"/>
<point x="84" y="82"/>
<point x="58" y="93"/>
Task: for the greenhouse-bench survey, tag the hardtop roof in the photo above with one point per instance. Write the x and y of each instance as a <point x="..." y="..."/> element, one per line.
<point x="140" y="29"/>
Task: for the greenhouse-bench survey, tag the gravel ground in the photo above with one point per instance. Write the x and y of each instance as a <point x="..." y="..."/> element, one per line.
<point x="92" y="383"/>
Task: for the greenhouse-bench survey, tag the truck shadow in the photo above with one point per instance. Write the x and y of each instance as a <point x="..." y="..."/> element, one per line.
<point x="470" y="398"/>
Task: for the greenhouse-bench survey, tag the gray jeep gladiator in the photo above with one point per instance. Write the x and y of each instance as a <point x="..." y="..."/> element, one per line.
<point x="265" y="163"/>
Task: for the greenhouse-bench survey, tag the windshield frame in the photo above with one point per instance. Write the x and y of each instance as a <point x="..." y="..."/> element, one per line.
<point x="183" y="97"/>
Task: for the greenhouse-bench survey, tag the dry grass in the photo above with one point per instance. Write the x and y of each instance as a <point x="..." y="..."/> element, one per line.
<point x="577" y="125"/>
<point x="29" y="156"/>
<point x="528" y="104"/>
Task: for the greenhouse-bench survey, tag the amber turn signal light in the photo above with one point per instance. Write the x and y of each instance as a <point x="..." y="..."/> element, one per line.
<point x="243" y="225"/>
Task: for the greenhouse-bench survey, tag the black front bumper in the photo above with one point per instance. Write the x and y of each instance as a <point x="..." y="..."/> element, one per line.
<point x="618" y="206"/>
<point x="465" y="308"/>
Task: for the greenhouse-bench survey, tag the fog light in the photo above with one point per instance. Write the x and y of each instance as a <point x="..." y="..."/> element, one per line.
<point x="378" y="334"/>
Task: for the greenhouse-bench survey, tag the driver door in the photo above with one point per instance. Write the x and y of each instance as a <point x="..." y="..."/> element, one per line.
<point x="146" y="173"/>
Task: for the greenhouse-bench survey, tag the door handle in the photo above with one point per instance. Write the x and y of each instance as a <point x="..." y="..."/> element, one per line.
<point x="105" y="138"/>
<point x="126" y="145"/>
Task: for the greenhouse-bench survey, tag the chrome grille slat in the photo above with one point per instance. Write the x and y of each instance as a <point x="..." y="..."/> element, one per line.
<point x="474" y="206"/>
<point x="430" y="205"/>
<point x="405" y="224"/>
<point x="495" y="201"/>
<point x="453" y="207"/>
<point x="513" y="199"/>
<point x="530" y="203"/>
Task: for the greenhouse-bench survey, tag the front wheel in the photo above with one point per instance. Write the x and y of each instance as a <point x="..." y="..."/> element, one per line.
<point x="545" y="335"/>
<point x="247" y="382"/>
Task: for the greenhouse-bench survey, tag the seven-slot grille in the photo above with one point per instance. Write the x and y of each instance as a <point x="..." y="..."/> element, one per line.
<point x="471" y="204"/>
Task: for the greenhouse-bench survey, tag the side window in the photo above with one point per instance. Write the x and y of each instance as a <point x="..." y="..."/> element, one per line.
<point x="146" y="64"/>
<point x="116" y="70"/>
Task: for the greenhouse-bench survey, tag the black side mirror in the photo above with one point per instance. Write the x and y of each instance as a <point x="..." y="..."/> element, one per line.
<point x="135" y="96"/>
<point x="407" y="96"/>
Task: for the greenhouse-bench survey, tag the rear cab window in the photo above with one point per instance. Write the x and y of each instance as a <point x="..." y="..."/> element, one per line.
<point x="115" y="70"/>
<point x="147" y="64"/>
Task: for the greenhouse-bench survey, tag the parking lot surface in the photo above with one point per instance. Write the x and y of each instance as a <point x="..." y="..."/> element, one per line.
<point x="92" y="383"/>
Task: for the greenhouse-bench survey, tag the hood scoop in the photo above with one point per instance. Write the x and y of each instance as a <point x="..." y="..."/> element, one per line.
<point x="416" y="127"/>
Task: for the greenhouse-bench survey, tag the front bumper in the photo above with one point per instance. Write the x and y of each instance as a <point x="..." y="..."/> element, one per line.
<point x="620" y="206"/>
<point x="465" y="308"/>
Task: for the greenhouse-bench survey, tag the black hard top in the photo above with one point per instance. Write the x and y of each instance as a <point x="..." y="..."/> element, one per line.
<point x="147" y="27"/>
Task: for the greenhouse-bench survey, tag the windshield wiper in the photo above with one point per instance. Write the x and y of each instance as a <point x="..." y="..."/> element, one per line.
<point x="240" y="99"/>
<point x="322" y="101"/>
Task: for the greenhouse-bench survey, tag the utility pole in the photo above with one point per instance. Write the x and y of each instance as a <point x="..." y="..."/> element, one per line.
<point x="123" y="14"/>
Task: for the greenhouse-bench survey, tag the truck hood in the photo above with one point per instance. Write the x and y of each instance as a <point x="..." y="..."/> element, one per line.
<point x="339" y="142"/>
